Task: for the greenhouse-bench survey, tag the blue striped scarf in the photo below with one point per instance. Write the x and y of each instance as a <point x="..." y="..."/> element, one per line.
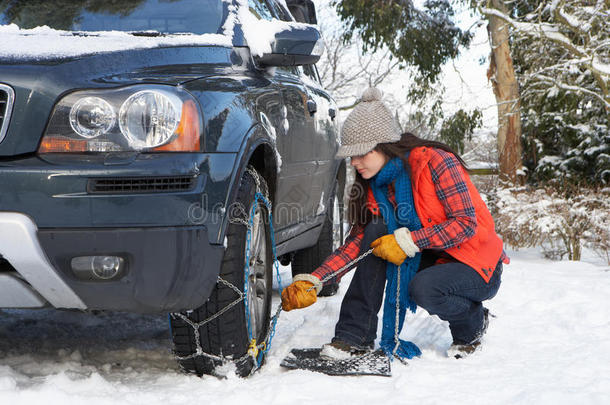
<point x="404" y="215"/>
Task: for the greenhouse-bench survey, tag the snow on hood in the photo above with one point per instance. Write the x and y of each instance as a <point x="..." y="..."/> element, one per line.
<point x="43" y="43"/>
<point x="46" y="43"/>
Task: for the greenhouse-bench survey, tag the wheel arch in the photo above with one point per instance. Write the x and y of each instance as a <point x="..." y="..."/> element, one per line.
<point x="258" y="149"/>
<point x="264" y="161"/>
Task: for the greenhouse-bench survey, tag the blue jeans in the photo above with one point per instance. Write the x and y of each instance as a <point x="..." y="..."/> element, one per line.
<point x="452" y="291"/>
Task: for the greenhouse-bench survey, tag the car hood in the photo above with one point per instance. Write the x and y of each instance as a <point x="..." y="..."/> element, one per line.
<point x="39" y="84"/>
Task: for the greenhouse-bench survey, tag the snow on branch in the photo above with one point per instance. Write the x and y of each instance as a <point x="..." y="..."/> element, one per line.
<point x="564" y="86"/>
<point x="602" y="68"/>
<point x="546" y="30"/>
<point x="561" y="224"/>
<point x="566" y="45"/>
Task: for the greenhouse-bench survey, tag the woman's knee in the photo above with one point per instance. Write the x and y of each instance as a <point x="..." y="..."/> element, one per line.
<point x="424" y="292"/>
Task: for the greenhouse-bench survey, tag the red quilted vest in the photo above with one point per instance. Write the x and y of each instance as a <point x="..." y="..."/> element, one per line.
<point x="480" y="252"/>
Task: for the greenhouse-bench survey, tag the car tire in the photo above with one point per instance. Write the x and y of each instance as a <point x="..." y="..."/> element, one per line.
<point x="331" y="237"/>
<point x="227" y="335"/>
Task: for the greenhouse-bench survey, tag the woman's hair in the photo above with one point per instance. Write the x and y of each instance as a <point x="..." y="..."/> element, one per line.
<point x="358" y="213"/>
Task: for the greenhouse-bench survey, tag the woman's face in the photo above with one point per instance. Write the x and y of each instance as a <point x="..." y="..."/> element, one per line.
<point x="370" y="164"/>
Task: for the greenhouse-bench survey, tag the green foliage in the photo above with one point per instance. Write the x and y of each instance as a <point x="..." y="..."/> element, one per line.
<point x="460" y="127"/>
<point x="424" y="38"/>
<point x="426" y="113"/>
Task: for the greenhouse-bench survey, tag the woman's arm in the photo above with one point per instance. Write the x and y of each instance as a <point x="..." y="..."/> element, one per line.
<point x="449" y="182"/>
<point x="341" y="256"/>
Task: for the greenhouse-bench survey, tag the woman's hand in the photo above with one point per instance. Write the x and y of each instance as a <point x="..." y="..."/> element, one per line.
<point x="301" y="293"/>
<point x="395" y="247"/>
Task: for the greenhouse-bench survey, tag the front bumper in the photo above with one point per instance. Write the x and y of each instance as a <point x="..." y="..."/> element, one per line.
<point x="167" y="268"/>
<point x="56" y="191"/>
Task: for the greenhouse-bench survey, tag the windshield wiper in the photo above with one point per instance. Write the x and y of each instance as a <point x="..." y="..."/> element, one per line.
<point x="83" y="34"/>
<point x="147" y="33"/>
<point x="158" y="34"/>
<point x="134" y="33"/>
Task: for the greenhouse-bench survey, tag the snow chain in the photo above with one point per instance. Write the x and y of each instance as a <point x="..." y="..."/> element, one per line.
<point x="256" y="350"/>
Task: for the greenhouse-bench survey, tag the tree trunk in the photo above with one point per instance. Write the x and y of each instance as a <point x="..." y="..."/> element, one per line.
<point x="506" y="89"/>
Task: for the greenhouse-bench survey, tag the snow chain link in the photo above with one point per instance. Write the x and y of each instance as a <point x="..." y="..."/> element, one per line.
<point x="397" y="319"/>
<point x="337" y="272"/>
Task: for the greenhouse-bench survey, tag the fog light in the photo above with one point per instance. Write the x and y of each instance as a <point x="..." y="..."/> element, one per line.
<point x="97" y="267"/>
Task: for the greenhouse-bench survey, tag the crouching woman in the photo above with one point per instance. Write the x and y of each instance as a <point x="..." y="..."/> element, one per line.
<point x="412" y="199"/>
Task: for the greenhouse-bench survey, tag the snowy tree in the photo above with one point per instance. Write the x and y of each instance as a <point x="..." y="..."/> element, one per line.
<point x="501" y="73"/>
<point x="578" y="32"/>
<point x="425" y="35"/>
<point x="561" y="51"/>
<point x="345" y="70"/>
<point x="560" y="221"/>
<point x="459" y="128"/>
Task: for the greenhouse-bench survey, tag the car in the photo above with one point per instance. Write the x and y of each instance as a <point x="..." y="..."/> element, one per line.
<point x="143" y="145"/>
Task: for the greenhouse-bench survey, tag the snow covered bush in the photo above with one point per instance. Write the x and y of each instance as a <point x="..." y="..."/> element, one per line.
<point x="561" y="223"/>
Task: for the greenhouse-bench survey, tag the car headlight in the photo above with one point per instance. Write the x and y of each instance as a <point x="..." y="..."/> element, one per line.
<point x="136" y="118"/>
<point x="91" y="117"/>
<point x="149" y="118"/>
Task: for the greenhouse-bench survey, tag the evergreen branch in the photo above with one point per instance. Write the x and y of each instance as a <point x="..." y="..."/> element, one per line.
<point x="568" y="87"/>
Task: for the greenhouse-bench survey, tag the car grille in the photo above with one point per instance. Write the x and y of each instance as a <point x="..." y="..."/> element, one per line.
<point x="6" y="106"/>
<point x="129" y="185"/>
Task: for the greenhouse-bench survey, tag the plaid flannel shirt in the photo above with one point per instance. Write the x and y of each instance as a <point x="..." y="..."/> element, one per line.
<point x="460" y="225"/>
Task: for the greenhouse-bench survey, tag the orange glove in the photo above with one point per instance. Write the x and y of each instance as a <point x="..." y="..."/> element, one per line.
<point x="395" y="247"/>
<point x="388" y="249"/>
<point x="301" y="293"/>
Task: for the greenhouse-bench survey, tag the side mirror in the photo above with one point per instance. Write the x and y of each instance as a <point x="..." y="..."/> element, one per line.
<point x="298" y="45"/>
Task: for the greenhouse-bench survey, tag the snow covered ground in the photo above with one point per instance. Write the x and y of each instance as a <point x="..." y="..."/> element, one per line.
<point x="549" y="344"/>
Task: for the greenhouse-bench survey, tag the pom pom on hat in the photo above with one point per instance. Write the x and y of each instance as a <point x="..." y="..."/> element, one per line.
<point x="371" y="94"/>
<point x="371" y="122"/>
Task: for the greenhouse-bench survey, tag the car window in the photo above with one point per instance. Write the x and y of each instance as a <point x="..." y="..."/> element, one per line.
<point x="260" y="9"/>
<point x="293" y="70"/>
<point x="280" y="11"/>
<point x="310" y="71"/>
<point x="164" y="16"/>
<point x="302" y="11"/>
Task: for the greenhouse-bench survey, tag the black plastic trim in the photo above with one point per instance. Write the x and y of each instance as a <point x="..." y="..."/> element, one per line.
<point x="131" y="185"/>
<point x="169" y="268"/>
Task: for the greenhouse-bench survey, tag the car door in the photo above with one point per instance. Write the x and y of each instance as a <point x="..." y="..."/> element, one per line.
<point x="322" y="110"/>
<point x="298" y="142"/>
<point x="289" y="126"/>
<point x="324" y="138"/>
<point x="298" y="139"/>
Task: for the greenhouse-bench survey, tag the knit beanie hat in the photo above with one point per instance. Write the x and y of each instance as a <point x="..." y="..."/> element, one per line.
<point x="369" y="123"/>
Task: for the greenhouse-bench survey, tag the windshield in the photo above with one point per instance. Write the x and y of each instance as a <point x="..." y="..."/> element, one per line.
<point x="164" y="16"/>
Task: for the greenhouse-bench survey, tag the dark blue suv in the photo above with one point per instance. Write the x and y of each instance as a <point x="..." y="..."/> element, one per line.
<point x="134" y="136"/>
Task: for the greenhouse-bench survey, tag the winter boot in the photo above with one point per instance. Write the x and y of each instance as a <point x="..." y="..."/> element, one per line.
<point x="338" y="349"/>
<point x="461" y="349"/>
